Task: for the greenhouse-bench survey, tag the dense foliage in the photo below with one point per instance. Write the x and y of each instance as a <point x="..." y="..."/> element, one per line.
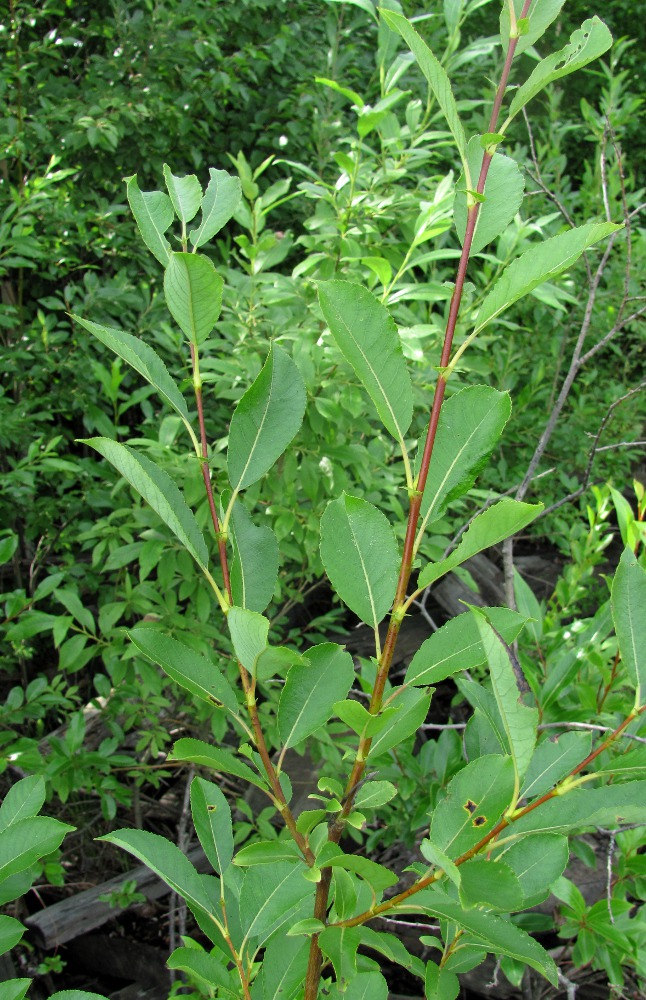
<point x="346" y="170"/>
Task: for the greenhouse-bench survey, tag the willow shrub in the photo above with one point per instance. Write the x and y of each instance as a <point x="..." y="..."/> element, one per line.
<point x="288" y="916"/>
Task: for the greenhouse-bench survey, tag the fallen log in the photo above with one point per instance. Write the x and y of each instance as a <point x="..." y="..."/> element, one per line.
<point x="84" y="912"/>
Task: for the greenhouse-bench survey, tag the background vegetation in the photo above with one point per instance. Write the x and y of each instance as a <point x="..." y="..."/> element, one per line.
<point x="336" y="152"/>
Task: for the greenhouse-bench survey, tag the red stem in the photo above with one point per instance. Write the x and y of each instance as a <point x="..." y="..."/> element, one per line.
<point x="338" y="823"/>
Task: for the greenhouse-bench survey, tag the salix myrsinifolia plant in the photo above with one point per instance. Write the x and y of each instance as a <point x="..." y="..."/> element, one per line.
<point x="288" y="917"/>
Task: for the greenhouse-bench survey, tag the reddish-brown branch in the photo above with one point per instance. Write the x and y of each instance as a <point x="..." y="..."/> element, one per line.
<point x="337" y="825"/>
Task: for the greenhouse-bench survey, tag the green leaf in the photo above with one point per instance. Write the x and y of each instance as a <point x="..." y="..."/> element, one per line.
<point x="8" y="546"/>
<point x="363" y="986"/>
<point x="283" y="969"/>
<point x="143" y="359"/>
<point x="490" y="883"/>
<point x="23" y="801"/>
<point x="540" y="18"/>
<point x="359" y="719"/>
<point x="431" y="853"/>
<point x="553" y="759"/>
<point x="628" y="604"/>
<point x="192" y="671"/>
<point x="267" y="852"/>
<point x="367" y="5"/>
<point x="254" y="568"/>
<point x="15" y="989"/>
<point x="440" y="984"/>
<point x="265" y="419"/>
<point x="367" y="337"/>
<point x="158" y="489"/>
<point x="500" y="936"/>
<point x="340" y="945"/>
<point x="434" y="73"/>
<point x="76" y="995"/>
<point x="493" y="525"/>
<point x="507" y="680"/>
<point x="475" y="801"/>
<point x="212" y="819"/>
<point x="360" y="556"/>
<point x="223" y="761"/>
<point x="209" y="970"/>
<point x="374" y="794"/>
<point x="470" y="425"/>
<point x="588" y="42"/>
<point x="153" y="212"/>
<point x="220" y="201"/>
<point x="457" y="645"/>
<point x="538" y="861"/>
<point x="26" y="841"/>
<point x="377" y="876"/>
<point x="310" y="925"/>
<point x="503" y="196"/>
<point x="581" y="809"/>
<point x="412" y="709"/>
<point x="536" y="265"/>
<point x="249" y="632"/>
<point x="270" y="896"/>
<point x="11" y="931"/>
<point x="631" y="764"/>
<point x="311" y="690"/>
<point x="185" y="194"/>
<point x="193" y="290"/>
<point x="392" y="948"/>
<point x="276" y="660"/>
<point x="165" y="860"/>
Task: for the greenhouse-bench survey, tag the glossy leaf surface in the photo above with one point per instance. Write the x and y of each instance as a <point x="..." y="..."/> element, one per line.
<point x="367" y="336"/>
<point x="188" y="668"/>
<point x="507" y="680"/>
<point x="143" y="359"/>
<point x="212" y="819"/>
<point x="471" y="422"/>
<point x="153" y="212"/>
<point x="475" y="800"/>
<point x="265" y="419"/>
<point x="254" y="568"/>
<point x="587" y="43"/>
<point x="185" y="193"/>
<point x="22" y="801"/>
<point x="537" y="264"/>
<point x="498" y="935"/>
<point x="629" y="614"/>
<point x="167" y="861"/>
<point x="193" y="290"/>
<point x="215" y="758"/>
<point x="541" y="15"/>
<point x="310" y="692"/>
<point x="457" y="645"/>
<point x="249" y="632"/>
<point x="157" y="489"/>
<point x="360" y="556"/>
<point x="553" y="759"/>
<point x="493" y="525"/>
<point x="220" y="201"/>
<point x="503" y="196"/>
<point x="434" y="73"/>
<point x="270" y="896"/>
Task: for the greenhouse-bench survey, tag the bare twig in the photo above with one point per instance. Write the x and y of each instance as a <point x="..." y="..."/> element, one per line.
<point x="596" y="449"/>
<point x="578" y="358"/>
<point x="570" y="987"/>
